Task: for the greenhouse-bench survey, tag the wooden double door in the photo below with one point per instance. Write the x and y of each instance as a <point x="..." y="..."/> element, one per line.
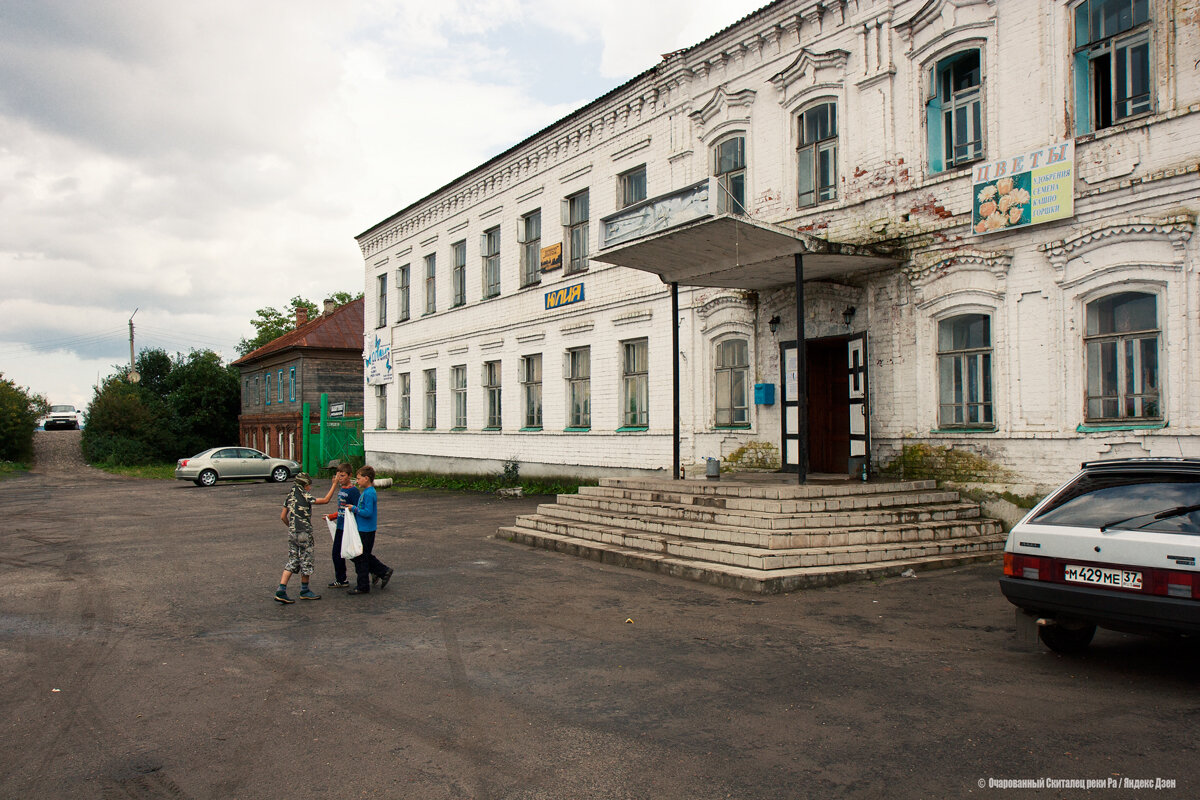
<point x="837" y="404"/>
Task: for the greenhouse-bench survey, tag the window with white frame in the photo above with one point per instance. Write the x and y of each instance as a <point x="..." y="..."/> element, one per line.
<point x="1122" y="350"/>
<point x="579" y="387"/>
<point x="954" y="120"/>
<point x="490" y="247"/>
<point x="529" y="229"/>
<point x="404" y="382"/>
<point x="279" y="388"/>
<point x="491" y="390"/>
<point x="267" y="394"/>
<point x="292" y="384"/>
<point x="729" y="165"/>
<point x="458" y="395"/>
<point x="402" y="278"/>
<point x="635" y="384"/>
<point x="631" y="187"/>
<point x="732" y="370"/>
<point x="531" y="389"/>
<point x="381" y="300"/>
<point x="431" y="283"/>
<point x="576" y="234"/>
<point x="430" y="399"/>
<point x="964" y="359"/>
<point x="380" y="406"/>
<point x="816" y="154"/>
<point x="458" y="272"/>
<point x="1113" y="62"/>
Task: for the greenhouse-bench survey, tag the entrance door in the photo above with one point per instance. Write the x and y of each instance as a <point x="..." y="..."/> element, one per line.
<point x="837" y="407"/>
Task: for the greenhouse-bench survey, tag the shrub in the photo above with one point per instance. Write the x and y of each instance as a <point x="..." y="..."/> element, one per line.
<point x="19" y="411"/>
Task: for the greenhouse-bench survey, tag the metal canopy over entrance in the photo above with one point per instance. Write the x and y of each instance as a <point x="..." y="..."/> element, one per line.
<point x="677" y="238"/>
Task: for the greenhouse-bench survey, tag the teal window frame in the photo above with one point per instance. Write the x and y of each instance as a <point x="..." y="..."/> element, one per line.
<point x="955" y="118"/>
<point x="292" y="384"/>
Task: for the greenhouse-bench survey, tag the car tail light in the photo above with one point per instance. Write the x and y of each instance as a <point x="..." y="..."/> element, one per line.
<point x="1033" y="568"/>
<point x="183" y="462"/>
<point x="1180" y="584"/>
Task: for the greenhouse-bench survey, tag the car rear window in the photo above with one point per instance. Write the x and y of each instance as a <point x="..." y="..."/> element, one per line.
<point x="61" y="409"/>
<point x="1161" y="502"/>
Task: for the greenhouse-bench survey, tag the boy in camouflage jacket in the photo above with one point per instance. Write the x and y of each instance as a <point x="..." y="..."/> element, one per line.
<point x="297" y="515"/>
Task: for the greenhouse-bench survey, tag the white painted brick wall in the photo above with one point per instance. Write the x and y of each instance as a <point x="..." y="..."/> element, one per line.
<point x="1136" y="175"/>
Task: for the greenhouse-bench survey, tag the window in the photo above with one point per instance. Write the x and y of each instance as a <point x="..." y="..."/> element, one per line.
<point x="531" y="385"/>
<point x="458" y="391"/>
<point x="279" y="388"/>
<point x="732" y="370"/>
<point x="1112" y="62"/>
<point x="729" y="165"/>
<point x="380" y="406"/>
<point x="292" y="384"/>
<point x="635" y="385"/>
<point x="817" y="155"/>
<point x="954" y="119"/>
<point x="458" y="272"/>
<point x="267" y="394"/>
<point x="579" y="388"/>
<point x="430" y="399"/>
<point x="431" y="283"/>
<point x="965" y="372"/>
<point x="402" y="292"/>
<point x="381" y="302"/>
<point x="1122" y="358"/>
<point x="404" y="381"/>
<point x="257" y="396"/>
<point x="576" y="235"/>
<point x="490" y="247"/>
<point x="491" y="387"/>
<point x="530" y="239"/>
<point x="631" y="187"/>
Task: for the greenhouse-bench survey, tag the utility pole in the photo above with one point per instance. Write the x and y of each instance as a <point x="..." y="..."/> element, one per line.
<point x="133" y="374"/>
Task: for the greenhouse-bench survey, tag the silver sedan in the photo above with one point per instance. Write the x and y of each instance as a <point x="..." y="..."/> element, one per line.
<point x="226" y="463"/>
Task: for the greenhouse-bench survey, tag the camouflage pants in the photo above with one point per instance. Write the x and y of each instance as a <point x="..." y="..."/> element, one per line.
<point x="300" y="552"/>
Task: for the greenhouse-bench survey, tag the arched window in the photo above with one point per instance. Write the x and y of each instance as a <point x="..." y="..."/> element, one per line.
<point x="731" y="373"/>
<point x="965" y="372"/>
<point x="955" y="119"/>
<point x="729" y="165"/>
<point x="816" y="152"/>
<point x="1121" y="342"/>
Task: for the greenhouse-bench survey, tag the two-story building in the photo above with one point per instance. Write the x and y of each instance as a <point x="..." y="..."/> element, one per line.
<point x="977" y="216"/>
<point x="320" y="356"/>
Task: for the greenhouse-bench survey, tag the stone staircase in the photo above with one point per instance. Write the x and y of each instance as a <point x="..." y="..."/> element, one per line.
<point x="763" y="538"/>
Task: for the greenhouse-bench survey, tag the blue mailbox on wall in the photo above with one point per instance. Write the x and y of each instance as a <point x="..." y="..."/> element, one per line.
<point x="764" y="394"/>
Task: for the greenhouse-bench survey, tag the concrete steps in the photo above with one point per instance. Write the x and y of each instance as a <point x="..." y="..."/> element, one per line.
<point x="763" y="538"/>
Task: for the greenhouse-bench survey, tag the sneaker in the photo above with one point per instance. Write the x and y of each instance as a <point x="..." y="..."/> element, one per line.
<point x="387" y="576"/>
<point x="308" y="594"/>
<point x="374" y="580"/>
<point x="339" y="584"/>
<point x="281" y="596"/>
<point x="357" y="590"/>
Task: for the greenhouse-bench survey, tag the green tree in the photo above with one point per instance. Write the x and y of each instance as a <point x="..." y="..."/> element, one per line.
<point x="181" y="405"/>
<point x="271" y="323"/>
<point x="19" y="412"/>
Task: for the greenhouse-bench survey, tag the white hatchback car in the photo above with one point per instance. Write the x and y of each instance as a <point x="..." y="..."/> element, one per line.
<point x="1114" y="547"/>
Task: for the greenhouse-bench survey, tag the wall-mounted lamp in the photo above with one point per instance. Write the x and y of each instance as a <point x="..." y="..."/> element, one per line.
<point x="773" y="323"/>
<point x="848" y="315"/>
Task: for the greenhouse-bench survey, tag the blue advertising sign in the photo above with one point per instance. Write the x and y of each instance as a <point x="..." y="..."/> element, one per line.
<point x="564" y="296"/>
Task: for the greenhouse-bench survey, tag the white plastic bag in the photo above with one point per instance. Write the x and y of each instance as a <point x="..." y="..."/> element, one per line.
<point x="332" y="523"/>
<point x="351" y="543"/>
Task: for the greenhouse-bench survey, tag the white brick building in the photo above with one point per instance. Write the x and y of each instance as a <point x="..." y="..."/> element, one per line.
<point x="898" y="128"/>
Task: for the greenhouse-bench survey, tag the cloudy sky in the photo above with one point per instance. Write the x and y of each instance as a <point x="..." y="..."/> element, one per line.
<point x="198" y="161"/>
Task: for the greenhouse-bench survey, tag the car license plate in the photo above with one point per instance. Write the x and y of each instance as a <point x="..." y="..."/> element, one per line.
<point x="1099" y="576"/>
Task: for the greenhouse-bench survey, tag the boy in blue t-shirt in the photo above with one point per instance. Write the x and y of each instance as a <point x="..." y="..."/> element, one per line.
<point x="347" y="497"/>
<point x="367" y="566"/>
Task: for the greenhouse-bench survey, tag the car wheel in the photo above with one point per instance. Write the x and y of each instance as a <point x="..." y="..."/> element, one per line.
<point x="1066" y="640"/>
<point x="207" y="478"/>
<point x="280" y="474"/>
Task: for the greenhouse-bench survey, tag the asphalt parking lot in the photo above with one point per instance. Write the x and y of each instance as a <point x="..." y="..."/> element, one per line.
<point x="144" y="657"/>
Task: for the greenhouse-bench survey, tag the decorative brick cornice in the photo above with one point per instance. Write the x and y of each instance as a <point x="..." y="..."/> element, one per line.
<point x="725" y="102"/>
<point x="935" y="10"/>
<point x="805" y="70"/>
<point x="926" y="268"/>
<point x="1175" y="229"/>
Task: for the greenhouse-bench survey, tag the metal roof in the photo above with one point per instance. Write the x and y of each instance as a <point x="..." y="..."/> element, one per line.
<point x="341" y="329"/>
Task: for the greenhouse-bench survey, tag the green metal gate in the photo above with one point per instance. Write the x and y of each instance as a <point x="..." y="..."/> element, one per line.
<point x="337" y="439"/>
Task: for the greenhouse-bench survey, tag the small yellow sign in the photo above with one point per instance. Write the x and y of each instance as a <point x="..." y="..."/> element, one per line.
<point x="552" y="257"/>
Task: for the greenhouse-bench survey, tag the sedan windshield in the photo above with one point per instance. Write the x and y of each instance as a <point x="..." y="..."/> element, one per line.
<point x="1164" y="503"/>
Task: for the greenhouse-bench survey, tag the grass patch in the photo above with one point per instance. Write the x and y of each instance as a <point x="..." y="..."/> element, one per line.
<point x="485" y="483"/>
<point x="156" y="472"/>
<point x="10" y="468"/>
